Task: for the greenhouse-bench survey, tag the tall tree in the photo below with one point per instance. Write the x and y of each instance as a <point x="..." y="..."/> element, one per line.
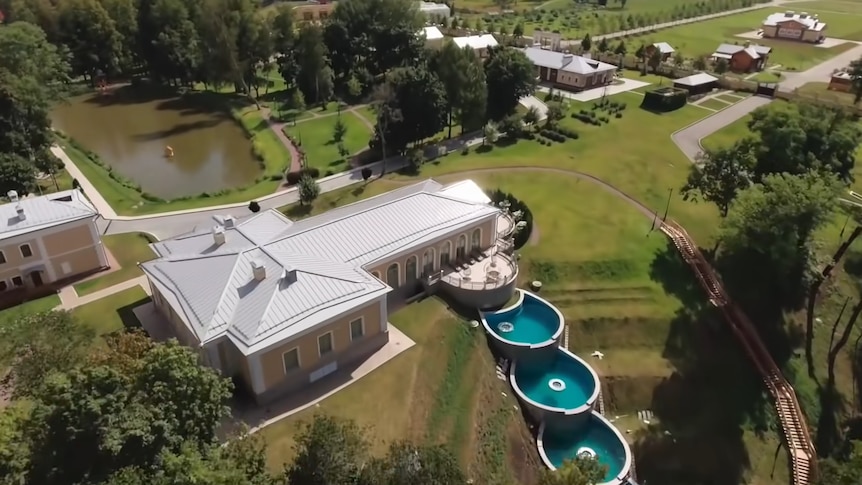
<point x="719" y="175"/>
<point x="311" y="56"/>
<point x="463" y="78"/>
<point x="92" y="37"/>
<point x="328" y="451"/>
<point x="91" y="422"/>
<point x="417" y="465"/>
<point x="796" y="138"/>
<point x="855" y="72"/>
<point x="510" y="76"/>
<point x="367" y="38"/>
<point x="168" y="40"/>
<point x="124" y="13"/>
<point x="284" y="44"/>
<point x="586" y="43"/>
<point x="35" y="346"/>
<point x="420" y="99"/>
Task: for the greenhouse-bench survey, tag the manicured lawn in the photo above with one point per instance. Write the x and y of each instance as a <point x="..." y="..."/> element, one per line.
<point x="443" y="390"/>
<point x="767" y="77"/>
<point x="829" y="6"/>
<point x="713" y="104"/>
<point x="647" y="169"/>
<point x="730" y="98"/>
<point x="128" y="201"/>
<point x="129" y="249"/>
<point x="321" y="150"/>
<point x="46" y="185"/>
<point x="624" y="292"/>
<point x="368" y="113"/>
<point x="727" y="135"/>
<point x="43" y="304"/>
<point x="701" y="39"/>
<point x="112" y="313"/>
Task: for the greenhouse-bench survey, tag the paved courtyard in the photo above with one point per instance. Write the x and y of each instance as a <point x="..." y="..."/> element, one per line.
<point x="593" y="94"/>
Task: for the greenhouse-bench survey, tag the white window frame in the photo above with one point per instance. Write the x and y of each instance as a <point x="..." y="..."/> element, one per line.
<point x="478" y="244"/>
<point x="21" y="250"/>
<point x="298" y="360"/>
<point x="445" y="248"/>
<point x="397" y="265"/>
<point x="361" y="321"/>
<point x="331" y="343"/>
<point x="407" y="274"/>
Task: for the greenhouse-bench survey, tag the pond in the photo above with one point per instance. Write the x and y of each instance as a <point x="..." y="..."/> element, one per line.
<point x="130" y="129"/>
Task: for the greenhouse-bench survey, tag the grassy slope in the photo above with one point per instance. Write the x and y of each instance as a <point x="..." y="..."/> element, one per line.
<point x="321" y="151"/>
<point x="112" y="313"/>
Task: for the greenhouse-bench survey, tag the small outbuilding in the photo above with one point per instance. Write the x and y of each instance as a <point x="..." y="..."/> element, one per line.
<point x="695" y="84"/>
<point x="433" y="37"/>
<point x="664" y="49"/>
<point x="841" y="81"/>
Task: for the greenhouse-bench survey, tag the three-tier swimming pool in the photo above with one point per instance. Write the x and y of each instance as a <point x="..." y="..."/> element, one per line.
<point x="556" y="387"/>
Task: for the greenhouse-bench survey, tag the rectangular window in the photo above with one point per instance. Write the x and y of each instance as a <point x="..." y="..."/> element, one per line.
<point x="17" y="281"/>
<point x="26" y="251"/>
<point x="3" y="285"/>
<point x="2" y="257"/>
<point x="324" y="344"/>
<point x="357" y="329"/>
<point x="290" y="360"/>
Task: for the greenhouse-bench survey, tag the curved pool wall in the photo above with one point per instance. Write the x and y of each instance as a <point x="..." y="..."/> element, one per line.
<point x="561" y="391"/>
<point x="536" y="325"/>
<point x="598" y="435"/>
<point x="569" y="422"/>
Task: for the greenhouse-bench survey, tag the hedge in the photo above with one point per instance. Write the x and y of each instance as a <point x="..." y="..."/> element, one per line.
<point x="515" y="204"/>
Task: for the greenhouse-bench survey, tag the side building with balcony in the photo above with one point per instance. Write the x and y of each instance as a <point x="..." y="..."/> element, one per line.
<point x="279" y="304"/>
<point x="46" y="240"/>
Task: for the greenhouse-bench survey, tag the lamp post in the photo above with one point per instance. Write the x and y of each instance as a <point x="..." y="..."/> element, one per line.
<point x="667" y="206"/>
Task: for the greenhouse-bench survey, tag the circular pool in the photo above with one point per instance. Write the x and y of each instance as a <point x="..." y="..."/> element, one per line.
<point x="562" y="384"/>
<point x="531" y="322"/>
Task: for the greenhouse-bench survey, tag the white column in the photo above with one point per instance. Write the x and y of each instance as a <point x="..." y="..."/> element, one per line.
<point x="256" y="370"/>
<point x="100" y="246"/>
<point x="384" y="316"/>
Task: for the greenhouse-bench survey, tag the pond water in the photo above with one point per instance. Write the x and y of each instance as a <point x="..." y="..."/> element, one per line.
<point x="129" y="129"/>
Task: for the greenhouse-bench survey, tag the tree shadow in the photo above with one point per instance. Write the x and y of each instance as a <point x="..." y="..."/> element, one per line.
<point x="177" y="130"/>
<point x="128" y="95"/>
<point x="298" y="211"/>
<point x="713" y="396"/>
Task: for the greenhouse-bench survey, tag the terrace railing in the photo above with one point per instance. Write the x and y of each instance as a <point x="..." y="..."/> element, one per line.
<point x="803" y="456"/>
<point x="482" y="278"/>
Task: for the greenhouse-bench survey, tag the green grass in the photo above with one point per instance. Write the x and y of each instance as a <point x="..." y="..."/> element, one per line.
<point x="129" y="201"/>
<point x="112" y="313"/>
<point x="767" y="77"/>
<point x="731" y="98"/>
<point x="819" y="91"/>
<point x="43" y="304"/>
<point x="128" y="249"/>
<point x="713" y="104"/>
<point x="701" y="39"/>
<point x="828" y="7"/>
<point x="320" y="148"/>
<point x="47" y="186"/>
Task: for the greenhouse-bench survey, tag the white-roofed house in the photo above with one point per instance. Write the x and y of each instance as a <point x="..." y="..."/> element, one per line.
<point x="695" y="84"/>
<point x="479" y="43"/>
<point x="743" y="58"/>
<point x="280" y="304"/>
<point x="433" y="37"/>
<point x="569" y="71"/>
<point x="44" y="240"/>
<point x="664" y="49"/>
<point x="790" y="25"/>
<point x="434" y="11"/>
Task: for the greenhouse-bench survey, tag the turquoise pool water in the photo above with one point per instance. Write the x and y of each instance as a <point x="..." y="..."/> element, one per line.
<point x="596" y="435"/>
<point x="533" y="322"/>
<point x="565" y="382"/>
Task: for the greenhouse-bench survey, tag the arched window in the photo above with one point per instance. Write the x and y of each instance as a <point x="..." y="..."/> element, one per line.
<point x="428" y="261"/>
<point x="461" y="249"/>
<point x="393" y="274"/>
<point x="445" y="253"/>
<point x="476" y="239"/>
<point x="410" y="271"/>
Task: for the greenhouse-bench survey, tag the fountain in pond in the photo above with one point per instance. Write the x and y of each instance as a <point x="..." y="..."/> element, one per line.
<point x="586" y="452"/>
<point x="505" y="327"/>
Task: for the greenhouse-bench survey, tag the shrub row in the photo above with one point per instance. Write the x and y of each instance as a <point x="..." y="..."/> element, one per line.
<point x="293" y="177"/>
<point x="552" y="135"/>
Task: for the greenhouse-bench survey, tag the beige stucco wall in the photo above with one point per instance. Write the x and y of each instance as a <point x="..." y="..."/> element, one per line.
<point x="488" y="237"/>
<point x="313" y="12"/>
<point x="811" y="35"/>
<point x="180" y="331"/>
<point x="769" y="30"/>
<point x="76" y="243"/>
<point x="309" y="359"/>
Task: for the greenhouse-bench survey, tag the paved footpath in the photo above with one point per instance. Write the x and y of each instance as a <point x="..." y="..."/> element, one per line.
<point x="689" y="138"/>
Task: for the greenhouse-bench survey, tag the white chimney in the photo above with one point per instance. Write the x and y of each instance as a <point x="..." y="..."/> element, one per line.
<point x="567" y="58"/>
<point x="258" y="270"/>
<point x="289" y="276"/>
<point x="13" y="196"/>
<point x="218" y="235"/>
<point x="21" y="214"/>
<point x="229" y="222"/>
